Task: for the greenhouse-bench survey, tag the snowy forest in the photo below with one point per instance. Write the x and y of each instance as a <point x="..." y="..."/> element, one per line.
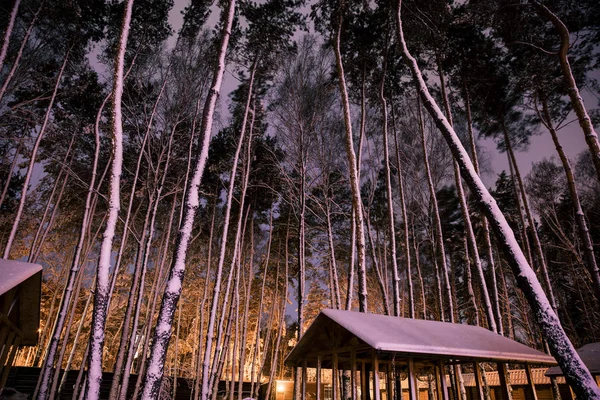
<point x="199" y="180"/>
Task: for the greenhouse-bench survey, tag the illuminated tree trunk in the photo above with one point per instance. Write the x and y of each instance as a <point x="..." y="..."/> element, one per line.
<point x="576" y="374"/>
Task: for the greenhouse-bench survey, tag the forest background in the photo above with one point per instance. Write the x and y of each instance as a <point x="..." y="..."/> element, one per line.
<point x="327" y="180"/>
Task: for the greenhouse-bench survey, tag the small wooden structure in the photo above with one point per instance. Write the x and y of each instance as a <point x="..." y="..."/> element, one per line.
<point x="392" y="358"/>
<point x="20" y="294"/>
<point x="590" y="355"/>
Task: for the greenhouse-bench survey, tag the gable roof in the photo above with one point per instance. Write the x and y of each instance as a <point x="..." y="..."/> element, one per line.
<point x="21" y="285"/>
<point x="14" y="273"/>
<point x="410" y="337"/>
<point x="590" y="355"/>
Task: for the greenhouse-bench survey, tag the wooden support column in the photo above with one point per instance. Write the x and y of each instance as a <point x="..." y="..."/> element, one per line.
<point x="368" y="382"/>
<point x="304" y="379"/>
<point x="504" y="381"/>
<point x="398" y="390"/>
<point x="531" y="382"/>
<point x="318" y="378"/>
<point x="11" y="357"/>
<point x="334" y="377"/>
<point x="363" y="381"/>
<point x="353" y="373"/>
<point x="441" y="379"/>
<point x="413" y="388"/>
<point x="478" y="381"/>
<point x="376" y="383"/>
<point x="457" y="371"/>
<point x="388" y="381"/>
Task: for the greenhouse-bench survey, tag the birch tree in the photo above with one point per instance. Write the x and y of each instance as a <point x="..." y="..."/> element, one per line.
<point x="101" y="297"/>
<point x="575" y="371"/>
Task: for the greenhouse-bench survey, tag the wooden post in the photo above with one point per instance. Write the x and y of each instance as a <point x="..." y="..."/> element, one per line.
<point x="398" y="391"/>
<point x="334" y="377"/>
<point x="9" y="362"/>
<point x="304" y="378"/>
<point x="363" y="381"/>
<point x="367" y="382"/>
<point x="442" y="387"/>
<point x="318" y="378"/>
<point x="413" y="389"/>
<point x="504" y="379"/>
<point x="353" y="373"/>
<point x="376" y="389"/>
<point x="531" y="382"/>
<point x="478" y="381"/>
<point x="388" y="381"/>
<point x="457" y="382"/>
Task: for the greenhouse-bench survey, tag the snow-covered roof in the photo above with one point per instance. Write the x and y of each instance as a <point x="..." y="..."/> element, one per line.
<point x="13" y="273"/>
<point x="337" y="329"/>
<point x="20" y="294"/>
<point x="590" y="355"/>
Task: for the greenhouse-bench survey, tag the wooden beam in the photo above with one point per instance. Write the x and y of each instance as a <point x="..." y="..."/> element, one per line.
<point x="363" y="381"/>
<point x="353" y="374"/>
<point x="457" y="371"/>
<point x="304" y="379"/>
<point x="413" y="389"/>
<point x="318" y="394"/>
<point x="504" y="376"/>
<point x="478" y="381"/>
<point x="531" y="383"/>
<point x="441" y="380"/>
<point x="376" y="388"/>
<point x="334" y="377"/>
<point x="388" y="381"/>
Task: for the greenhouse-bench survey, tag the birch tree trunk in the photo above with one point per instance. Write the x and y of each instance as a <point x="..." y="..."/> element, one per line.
<point x="537" y="245"/>
<point x="17" y="60"/>
<point x="576" y="373"/>
<point x="223" y="248"/>
<point x="102" y="296"/>
<point x="439" y="236"/>
<point x="390" y="206"/>
<point x="162" y="334"/>
<point x="34" y="151"/>
<point x="470" y="234"/>
<point x="352" y="166"/>
<point x="582" y="228"/>
<point x="484" y="222"/>
<point x="8" y="32"/>
<point x="591" y="137"/>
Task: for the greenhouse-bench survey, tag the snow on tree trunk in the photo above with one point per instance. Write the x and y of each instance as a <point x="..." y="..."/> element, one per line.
<point x="162" y="333"/>
<point x="223" y="249"/>
<point x="102" y="296"/>
<point x="484" y="223"/>
<point x="352" y="166"/>
<point x="470" y="234"/>
<point x="537" y="245"/>
<point x="8" y="32"/>
<point x="576" y="373"/>
<point x="15" y="65"/>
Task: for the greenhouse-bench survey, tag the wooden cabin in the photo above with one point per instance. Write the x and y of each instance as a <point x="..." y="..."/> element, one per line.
<point x="392" y="358"/>
<point x="20" y="294"/>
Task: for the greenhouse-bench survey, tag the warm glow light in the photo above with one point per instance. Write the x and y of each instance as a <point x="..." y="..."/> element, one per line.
<point x="280" y="387"/>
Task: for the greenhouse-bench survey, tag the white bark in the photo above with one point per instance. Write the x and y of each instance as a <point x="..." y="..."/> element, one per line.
<point x="172" y="293"/>
<point x="8" y="32"/>
<point x="34" y="151"/>
<point x="102" y="297"/>
<point x="352" y="166"/>
<point x="576" y="373"/>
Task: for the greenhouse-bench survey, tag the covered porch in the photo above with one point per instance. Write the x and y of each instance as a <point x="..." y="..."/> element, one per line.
<point x="392" y="358"/>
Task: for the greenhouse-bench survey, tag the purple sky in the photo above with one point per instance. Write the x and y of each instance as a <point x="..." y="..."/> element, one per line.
<point x="541" y="147"/>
